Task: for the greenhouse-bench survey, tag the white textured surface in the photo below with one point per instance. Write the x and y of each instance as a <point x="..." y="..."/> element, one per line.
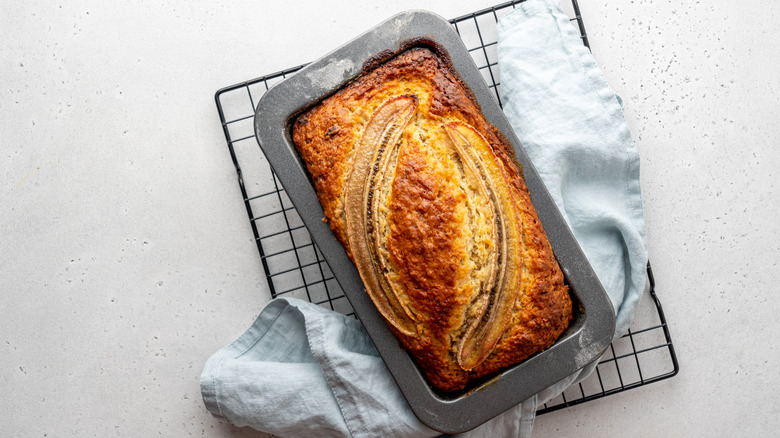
<point x="128" y="259"/>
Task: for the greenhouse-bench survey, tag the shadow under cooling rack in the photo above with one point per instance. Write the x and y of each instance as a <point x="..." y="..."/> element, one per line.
<point x="295" y="268"/>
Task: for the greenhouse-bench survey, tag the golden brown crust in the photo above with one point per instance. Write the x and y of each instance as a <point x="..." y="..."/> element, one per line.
<point x="436" y="216"/>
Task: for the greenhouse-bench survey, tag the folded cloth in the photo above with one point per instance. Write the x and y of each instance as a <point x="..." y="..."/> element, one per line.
<point x="571" y="124"/>
<point x="304" y="371"/>
<point x="301" y="370"/>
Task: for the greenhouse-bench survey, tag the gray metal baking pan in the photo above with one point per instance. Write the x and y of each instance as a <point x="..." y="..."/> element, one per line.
<point x="593" y="325"/>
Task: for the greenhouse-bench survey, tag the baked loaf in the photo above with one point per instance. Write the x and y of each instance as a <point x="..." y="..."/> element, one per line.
<point x="427" y="199"/>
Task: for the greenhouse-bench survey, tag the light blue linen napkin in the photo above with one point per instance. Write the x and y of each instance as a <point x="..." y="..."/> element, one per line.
<point x="304" y="371"/>
<point x="301" y="370"/>
<point x="571" y="124"/>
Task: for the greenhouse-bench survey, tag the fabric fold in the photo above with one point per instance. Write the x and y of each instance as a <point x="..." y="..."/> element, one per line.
<point x="572" y="126"/>
<point x="301" y="370"/>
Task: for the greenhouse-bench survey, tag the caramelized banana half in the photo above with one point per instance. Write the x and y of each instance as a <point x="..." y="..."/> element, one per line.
<point x="496" y="301"/>
<point x="380" y="139"/>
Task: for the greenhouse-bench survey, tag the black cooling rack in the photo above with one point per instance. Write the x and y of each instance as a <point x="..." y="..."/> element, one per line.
<point x="295" y="268"/>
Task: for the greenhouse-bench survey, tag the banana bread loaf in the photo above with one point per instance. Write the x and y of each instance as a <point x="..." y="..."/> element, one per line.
<point x="431" y="206"/>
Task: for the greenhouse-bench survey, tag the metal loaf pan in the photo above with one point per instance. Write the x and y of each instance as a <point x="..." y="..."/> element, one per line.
<point x="593" y="326"/>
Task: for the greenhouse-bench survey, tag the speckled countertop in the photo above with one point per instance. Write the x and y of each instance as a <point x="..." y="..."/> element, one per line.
<point x="128" y="259"/>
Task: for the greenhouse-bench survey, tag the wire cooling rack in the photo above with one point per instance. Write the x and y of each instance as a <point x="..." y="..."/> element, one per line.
<point x="295" y="268"/>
